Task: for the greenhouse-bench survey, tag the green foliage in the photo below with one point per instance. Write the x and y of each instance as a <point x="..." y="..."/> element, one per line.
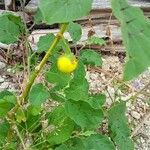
<point x="71" y="123"/>
<point x="38" y="95"/>
<point x="57" y="94"/>
<point x="97" y="100"/>
<point x="97" y="142"/>
<point x="83" y="114"/>
<point x="56" y="77"/>
<point x="78" y="86"/>
<point x="45" y="42"/>
<point x="10" y="28"/>
<point x="61" y="126"/>
<point x="118" y="127"/>
<point x="34" y="110"/>
<point x="148" y="101"/>
<point x="90" y="57"/>
<point x="135" y="31"/>
<point x="74" y="144"/>
<point x="4" y="128"/>
<point x="93" y="40"/>
<point x="38" y="16"/>
<point x="17" y="20"/>
<point x="7" y="102"/>
<point x="75" y="31"/>
<point x="93" y="142"/>
<point x="62" y="11"/>
<point x="20" y="115"/>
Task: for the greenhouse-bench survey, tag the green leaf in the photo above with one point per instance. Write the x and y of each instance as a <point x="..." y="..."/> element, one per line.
<point x="7" y="102"/>
<point x="9" y="30"/>
<point x="77" y="91"/>
<point x="135" y="31"/>
<point x="118" y="127"/>
<point x="148" y="101"/>
<point x="62" y="11"/>
<point x="75" y="31"/>
<point x="78" y="86"/>
<point x="56" y="77"/>
<point x="62" y="147"/>
<point x="98" y="142"/>
<point x="97" y="100"/>
<point x="38" y="95"/>
<point x="34" y="110"/>
<point x="38" y="17"/>
<point x="57" y="94"/>
<point x="61" y="125"/>
<point x="90" y="57"/>
<point x="93" y="142"/>
<point x="72" y="144"/>
<point x="45" y="42"/>
<point x="5" y="93"/>
<point x="75" y="144"/>
<point x="4" y="128"/>
<point x="32" y="123"/>
<point x="20" y="115"/>
<point x="80" y="73"/>
<point x="83" y="114"/>
<point x="17" y="20"/>
<point x="93" y="40"/>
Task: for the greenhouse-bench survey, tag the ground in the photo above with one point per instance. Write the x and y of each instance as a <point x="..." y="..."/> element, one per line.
<point x="106" y="80"/>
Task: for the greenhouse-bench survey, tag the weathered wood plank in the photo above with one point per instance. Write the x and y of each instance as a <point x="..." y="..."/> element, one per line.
<point x="97" y="4"/>
<point x="100" y="31"/>
<point x="103" y="17"/>
<point x="105" y="4"/>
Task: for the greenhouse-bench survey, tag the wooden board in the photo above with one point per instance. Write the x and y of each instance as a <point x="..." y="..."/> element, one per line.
<point x="100" y="31"/>
<point x="105" y="4"/>
<point x="97" y="4"/>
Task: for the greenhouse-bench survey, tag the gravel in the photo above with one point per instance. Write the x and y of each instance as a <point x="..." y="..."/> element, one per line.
<point x="2" y="80"/>
<point x="107" y="80"/>
<point x="2" y="65"/>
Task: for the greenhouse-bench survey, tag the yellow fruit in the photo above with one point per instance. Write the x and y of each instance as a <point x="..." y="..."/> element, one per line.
<point x="67" y="63"/>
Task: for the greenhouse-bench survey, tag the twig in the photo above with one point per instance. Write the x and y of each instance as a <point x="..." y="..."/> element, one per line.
<point x="67" y="50"/>
<point x="140" y="125"/>
<point x="19" y="135"/>
<point x="37" y="70"/>
<point x="139" y="92"/>
<point x="109" y="95"/>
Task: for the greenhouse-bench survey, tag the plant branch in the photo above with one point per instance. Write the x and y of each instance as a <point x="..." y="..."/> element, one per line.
<point x="42" y="63"/>
<point x="139" y="92"/>
<point x="140" y="125"/>
<point x="19" y="135"/>
<point x="37" y="70"/>
<point x="67" y="50"/>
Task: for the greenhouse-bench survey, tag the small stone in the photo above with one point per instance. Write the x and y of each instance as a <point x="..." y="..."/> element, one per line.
<point x="128" y="104"/>
<point x="4" y="85"/>
<point x="93" y="76"/>
<point x="2" y="65"/>
<point x="2" y="80"/>
<point x="135" y="115"/>
<point x="147" y="122"/>
<point x="132" y="107"/>
<point x="9" y="70"/>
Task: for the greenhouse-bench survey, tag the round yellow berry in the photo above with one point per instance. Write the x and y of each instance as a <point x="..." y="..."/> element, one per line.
<point x="67" y="63"/>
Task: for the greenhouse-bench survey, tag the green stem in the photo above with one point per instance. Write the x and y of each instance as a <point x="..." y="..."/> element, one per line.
<point x="42" y="63"/>
<point x="28" y="59"/>
<point x="33" y="76"/>
<point x="67" y="50"/>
